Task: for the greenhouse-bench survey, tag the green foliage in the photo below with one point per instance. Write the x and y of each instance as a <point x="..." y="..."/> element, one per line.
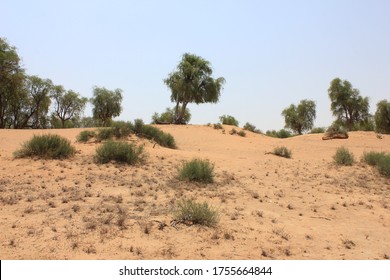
<point x="191" y="212"/>
<point x="107" y="104"/>
<point x="282" y="152"/>
<point x="300" y="118"/>
<point x="119" y="152"/>
<point x="85" y="136"/>
<point x="335" y="129"/>
<point x="197" y="170"/>
<point x="382" y="117"/>
<point x="160" y="137"/>
<point x="278" y="134"/>
<point x="122" y="129"/>
<point x="192" y="83"/>
<point x="50" y="146"/>
<point x="104" y="134"/>
<point x="228" y="120"/>
<point x="250" y="127"/>
<point x="317" y="130"/>
<point x="347" y="105"/>
<point x="379" y="159"/>
<point x="241" y="133"/>
<point x="218" y="126"/>
<point x="343" y="156"/>
<point x="169" y="116"/>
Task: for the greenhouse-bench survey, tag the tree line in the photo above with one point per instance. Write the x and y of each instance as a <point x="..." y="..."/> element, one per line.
<point x="25" y="101"/>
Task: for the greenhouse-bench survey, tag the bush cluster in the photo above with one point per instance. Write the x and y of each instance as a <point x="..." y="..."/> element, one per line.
<point x="283" y="133"/>
<point x="190" y="211"/>
<point x="228" y="120"/>
<point x="85" y="136"/>
<point x="250" y="127"/>
<point x="343" y="156"/>
<point x="379" y="159"/>
<point x="118" y="151"/>
<point x="50" y="146"/>
<point x="197" y="170"/>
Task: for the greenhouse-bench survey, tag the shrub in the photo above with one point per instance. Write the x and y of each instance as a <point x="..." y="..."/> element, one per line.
<point x="156" y="134"/>
<point x="336" y="130"/>
<point x="121" y="129"/>
<point x="46" y="146"/>
<point x="283" y="133"/>
<point x="104" y="134"/>
<point x="241" y="133"/>
<point x="190" y="211"/>
<point x="228" y="120"/>
<point x="197" y="170"/>
<point x="169" y="116"/>
<point x="85" y="135"/>
<point x="250" y="127"/>
<point x="380" y="160"/>
<point x="343" y="156"/>
<point x="233" y="131"/>
<point x="317" y="130"/>
<point x="282" y="152"/>
<point x="138" y="126"/>
<point x="118" y="151"/>
<point x="218" y="126"/>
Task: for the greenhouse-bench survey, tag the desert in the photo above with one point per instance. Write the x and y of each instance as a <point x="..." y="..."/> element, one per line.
<point x="270" y="207"/>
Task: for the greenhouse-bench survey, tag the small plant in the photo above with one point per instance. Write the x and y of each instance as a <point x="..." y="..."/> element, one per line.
<point x="373" y="158"/>
<point x="50" y="146"/>
<point x="197" y="170"/>
<point x="228" y="120"/>
<point x="343" y="156"/>
<point x="118" y="151"/>
<point x="241" y="133"/>
<point x="218" y="126"/>
<point x="104" y="134"/>
<point x="282" y="152"/>
<point x="191" y="212"/>
<point x="336" y="131"/>
<point x="85" y="135"/>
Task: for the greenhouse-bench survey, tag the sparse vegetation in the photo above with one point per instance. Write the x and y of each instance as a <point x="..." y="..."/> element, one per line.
<point x="197" y="170"/>
<point x="119" y="151"/>
<point x="282" y="152"/>
<point x="241" y="133"/>
<point x="228" y="120"/>
<point x="336" y="131"/>
<point x="85" y="136"/>
<point x="343" y="156"/>
<point x="104" y="134"/>
<point x="250" y="127"/>
<point x="218" y="126"/>
<point x="191" y="212"/>
<point x="379" y="159"/>
<point x="283" y="133"/>
<point x="317" y="130"/>
<point x="50" y="146"/>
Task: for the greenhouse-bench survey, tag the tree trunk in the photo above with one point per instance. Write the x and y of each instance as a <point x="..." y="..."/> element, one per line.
<point x="179" y="119"/>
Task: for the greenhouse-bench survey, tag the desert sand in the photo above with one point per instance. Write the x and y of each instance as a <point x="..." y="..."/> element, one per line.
<point x="270" y="207"/>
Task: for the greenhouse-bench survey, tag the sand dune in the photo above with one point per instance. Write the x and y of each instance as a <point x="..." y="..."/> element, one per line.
<point x="270" y="207"/>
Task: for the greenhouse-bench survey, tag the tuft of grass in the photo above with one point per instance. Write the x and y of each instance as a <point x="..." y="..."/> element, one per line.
<point x="85" y="135"/>
<point x="190" y="211"/>
<point x="49" y="146"/>
<point x="197" y="170"/>
<point x="119" y="151"/>
<point x="282" y="152"/>
<point x="343" y="156"/>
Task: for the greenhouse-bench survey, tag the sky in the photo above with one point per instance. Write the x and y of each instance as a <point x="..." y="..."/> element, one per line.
<point x="271" y="53"/>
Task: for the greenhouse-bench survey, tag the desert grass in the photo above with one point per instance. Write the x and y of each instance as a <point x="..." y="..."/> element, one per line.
<point x="379" y="159"/>
<point x="344" y="157"/>
<point x="191" y="212"/>
<point x="282" y="152"/>
<point x="197" y="170"/>
<point x="120" y="152"/>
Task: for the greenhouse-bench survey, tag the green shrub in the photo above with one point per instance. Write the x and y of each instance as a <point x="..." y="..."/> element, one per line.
<point x="85" y="135"/>
<point x="379" y="159"/>
<point x="104" y="134"/>
<point x="317" y="130"/>
<point x="228" y="120"/>
<point x="138" y="126"/>
<point x="118" y="151"/>
<point x="335" y="130"/>
<point x="192" y="212"/>
<point x="121" y="129"/>
<point x="250" y="127"/>
<point x="283" y="133"/>
<point x="159" y="136"/>
<point x="241" y="133"/>
<point x="169" y="116"/>
<point x="197" y="170"/>
<point x="282" y="152"/>
<point x="50" y="146"/>
<point x="218" y="126"/>
<point x="343" y="156"/>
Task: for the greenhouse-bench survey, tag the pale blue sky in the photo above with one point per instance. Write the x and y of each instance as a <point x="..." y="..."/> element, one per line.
<point x="271" y="53"/>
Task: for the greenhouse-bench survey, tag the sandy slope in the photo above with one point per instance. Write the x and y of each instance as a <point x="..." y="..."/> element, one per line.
<point x="270" y="207"/>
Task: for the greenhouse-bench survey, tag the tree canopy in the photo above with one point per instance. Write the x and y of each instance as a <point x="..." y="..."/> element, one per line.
<point x="300" y="118"/>
<point x="107" y="104"/>
<point x="382" y="117"/>
<point x="192" y="83"/>
<point x="347" y="105"/>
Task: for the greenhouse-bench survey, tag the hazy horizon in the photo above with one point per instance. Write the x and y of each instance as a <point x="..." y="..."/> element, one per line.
<point x="272" y="54"/>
